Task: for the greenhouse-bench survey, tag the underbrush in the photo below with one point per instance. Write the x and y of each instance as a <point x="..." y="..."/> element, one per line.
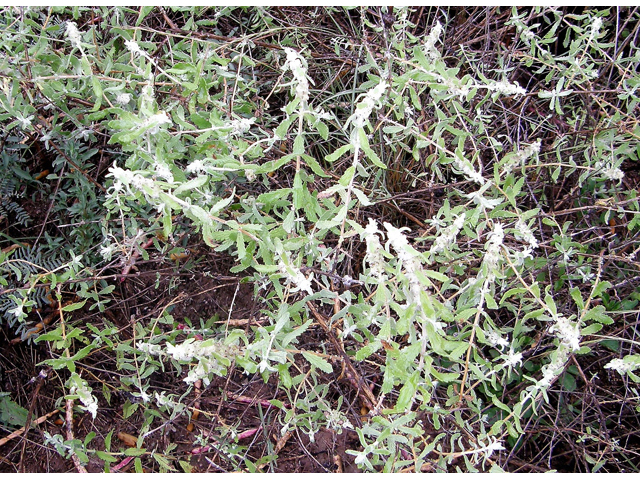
<point x="407" y="235"/>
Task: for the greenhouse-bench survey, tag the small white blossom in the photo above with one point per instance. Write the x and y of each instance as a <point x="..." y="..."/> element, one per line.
<point x="162" y="400"/>
<point x="156" y="121"/>
<point x="149" y="348"/>
<point x="25" y="122"/>
<point x="550" y="370"/>
<point x="429" y="47"/>
<point x="447" y="237"/>
<point x="480" y="200"/>
<point x="297" y="64"/>
<point x="513" y="359"/>
<point x="595" y="28"/>
<point x="374" y="256"/>
<point x="18" y="311"/>
<point x="507" y="88"/>
<point x="524" y="232"/>
<point x="123" y="98"/>
<point x="81" y="388"/>
<point x="567" y="333"/>
<point x="73" y="35"/>
<point x="493" y="254"/>
<point x="238" y="127"/>
<point x="122" y="178"/>
<point x="197" y="166"/>
<point x="45" y="139"/>
<point x="163" y="171"/>
<point x="366" y="106"/>
<point x="468" y="171"/>
<point x="624" y="365"/>
<point x="294" y="276"/>
<point x="250" y="175"/>
<point x="496" y="340"/>
<point x="133" y="47"/>
<point x="494" y="446"/>
<point x="107" y="251"/>
<point x="610" y="172"/>
<point x="143" y="184"/>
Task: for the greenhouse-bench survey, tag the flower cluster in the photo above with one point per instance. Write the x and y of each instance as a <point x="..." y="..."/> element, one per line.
<point x="610" y="172"/>
<point x="154" y="122"/>
<point x="163" y="171"/>
<point x="493" y="256"/>
<point x="595" y="28"/>
<point x="238" y="127"/>
<point x="297" y="64"/>
<point x="132" y="182"/>
<point x="567" y="333"/>
<point x="512" y="359"/>
<point x="410" y="260"/>
<point x="465" y="167"/>
<point x="429" y="47"/>
<point x="374" y="256"/>
<point x="550" y="370"/>
<point x="624" y="365"/>
<point x="506" y="88"/>
<point x="206" y="352"/>
<point x="523" y="232"/>
<point x="448" y="236"/>
<point x="495" y="340"/>
<point x="366" y="106"/>
<point x="78" y="386"/>
<point x="133" y="47"/>
<point x="294" y="276"/>
<point x="517" y="159"/>
<point x="73" y="34"/>
<point x="123" y="98"/>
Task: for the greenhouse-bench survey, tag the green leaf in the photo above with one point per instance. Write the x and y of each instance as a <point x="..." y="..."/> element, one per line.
<point x="569" y="382"/>
<point x="107" y="457"/>
<point x="73" y="306"/>
<point x="291" y="336"/>
<point x="222" y="203"/>
<point x="97" y="91"/>
<point x="10" y="412"/>
<point x="407" y="394"/>
<point x="613" y="345"/>
<point x="315" y="166"/>
<point x="323" y="130"/>
<point x="144" y="11"/>
<point x="134" y="452"/>
<point x="240" y="245"/>
<point x="318" y="362"/>
<point x="107" y="440"/>
<point x="298" y="144"/>
<point x="191" y="185"/>
<point x="338" y="153"/>
<point x="335" y="221"/>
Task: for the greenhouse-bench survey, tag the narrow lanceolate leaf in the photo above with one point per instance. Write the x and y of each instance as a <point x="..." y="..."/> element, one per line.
<point x="318" y="362"/>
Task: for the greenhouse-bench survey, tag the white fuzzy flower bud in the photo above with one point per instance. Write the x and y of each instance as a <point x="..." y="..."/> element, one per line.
<point x="133" y="47"/>
<point x="73" y="34"/>
<point x="123" y="98"/>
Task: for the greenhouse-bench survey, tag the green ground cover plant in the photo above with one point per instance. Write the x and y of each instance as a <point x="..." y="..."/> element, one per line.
<point x="320" y="239"/>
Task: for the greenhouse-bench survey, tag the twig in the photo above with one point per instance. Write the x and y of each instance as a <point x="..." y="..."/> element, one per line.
<point x="69" y="421"/>
<point x="363" y="390"/>
<point x="41" y="378"/>
<point x="254" y="401"/>
<point x="20" y="431"/>
<point x="241" y="436"/>
<point x="122" y="464"/>
<point x="168" y="20"/>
